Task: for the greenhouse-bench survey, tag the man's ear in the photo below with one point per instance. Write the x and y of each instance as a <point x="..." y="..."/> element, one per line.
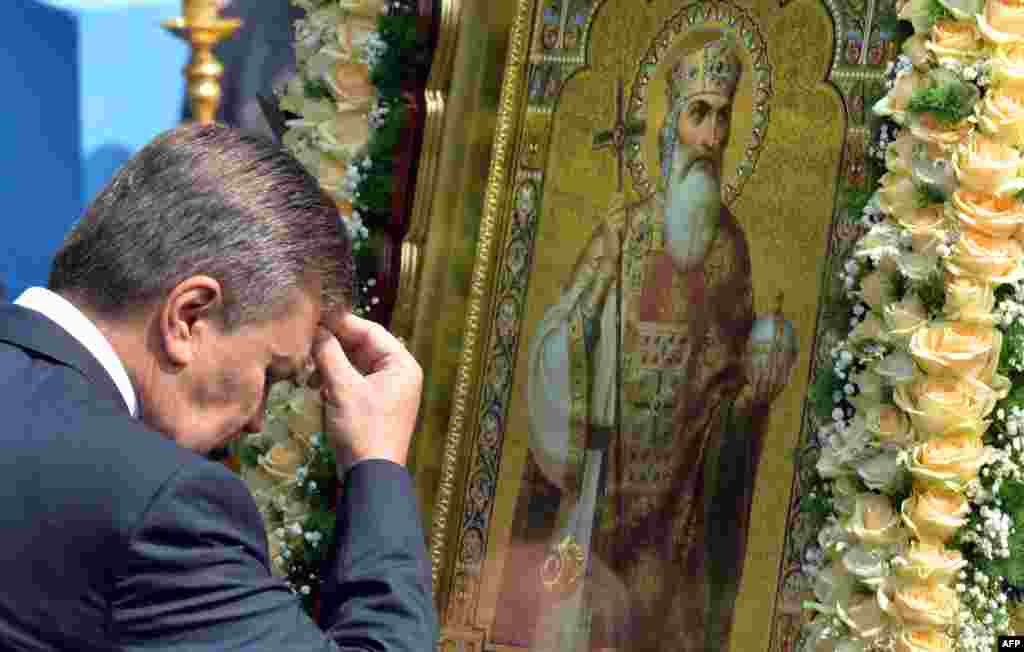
<point x="191" y="310"/>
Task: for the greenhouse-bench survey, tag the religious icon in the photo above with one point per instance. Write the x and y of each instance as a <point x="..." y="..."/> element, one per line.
<point x="650" y="382"/>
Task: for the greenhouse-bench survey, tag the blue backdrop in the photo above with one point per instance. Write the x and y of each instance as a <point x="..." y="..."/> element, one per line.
<point x="41" y="178"/>
<point x="88" y="82"/>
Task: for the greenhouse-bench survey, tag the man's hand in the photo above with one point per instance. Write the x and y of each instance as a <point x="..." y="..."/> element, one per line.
<point x="371" y="390"/>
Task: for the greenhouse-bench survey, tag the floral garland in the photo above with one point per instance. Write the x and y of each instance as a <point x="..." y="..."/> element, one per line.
<point x="349" y="114"/>
<point x="919" y="489"/>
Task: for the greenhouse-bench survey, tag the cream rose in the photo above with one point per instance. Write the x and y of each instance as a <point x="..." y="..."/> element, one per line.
<point x="923" y="639"/>
<point x="943" y="405"/>
<point x="871" y="328"/>
<point x="992" y="215"/>
<point x="906" y="317"/>
<point x="969" y="300"/>
<point x="935" y="514"/>
<point x="283" y="460"/>
<point x="940" y="137"/>
<point x="925" y="225"/>
<point x="867" y="564"/>
<point x="351" y="84"/>
<point x="331" y="174"/>
<point x="876" y="290"/>
<point x="834" y="584"/>
<point x="951" y="461"/>
<point x="1001" y="115"/>
<point x="1002" y="22"/>
<point x="923" y="561"/>
<point x="883" y="472"/>
<point x="845" y="490"/>
<point x="899" y="155"/>
<point x="870" y="385"/>
<point x="1008" y="67"/>
<point x="305" y="415"/>
<point x="927" y="604"/>
<point x="890" y="425"/>
<point x="864" y="616"/>
<point x="874" y="521"/>
<point x="894" y="104"/>
<point x="345" y="134"/>
<point x="897" y="368"/>
<point x="995" y="260"/>
<point x="915" y="48"/>
<point x="957" y="349"/>
<point x="984" y="165"/>
<point x="897" y="194"/>
<point x="916" y="12"/>
<point x="953" y="39"/>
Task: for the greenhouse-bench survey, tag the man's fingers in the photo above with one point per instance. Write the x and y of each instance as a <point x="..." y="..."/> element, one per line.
<point x="333" y="366"/>
<point x="368" y="344"/>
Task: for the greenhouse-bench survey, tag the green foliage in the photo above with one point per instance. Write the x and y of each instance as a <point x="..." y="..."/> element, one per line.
<point x="932" y="293"/>
<point x="248" y="455"/>
<point x="900" y="285"/>
<point x="316" y="89"/>
<point x="949" y="103"/>
<point x="925" y="195"/>
<point x="1013" y="342"/>
<point x="817" y="506"/>
<point x="404" y="51"/>
<point x="1014" y="399"/>
<point x="855" y="200"/>
<point x="937" y="12"/>
<point x="825" y="385"/>
<point x="376" y="188"/>
<point x="1005" y="291"/>
<point x="898" y="30"/>
<point x="836" y="313"/>
<point x="1012" y="494"/>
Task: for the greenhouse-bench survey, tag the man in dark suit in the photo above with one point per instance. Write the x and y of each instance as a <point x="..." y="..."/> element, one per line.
<point x="210" y="267"/>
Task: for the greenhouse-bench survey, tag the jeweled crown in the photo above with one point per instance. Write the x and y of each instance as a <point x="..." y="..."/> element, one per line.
<point x="713" y="68"/>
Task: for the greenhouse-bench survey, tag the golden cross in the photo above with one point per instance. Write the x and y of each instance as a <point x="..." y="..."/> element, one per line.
<point x="620" y="133"/>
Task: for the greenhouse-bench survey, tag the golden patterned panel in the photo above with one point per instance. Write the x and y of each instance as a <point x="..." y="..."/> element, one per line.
<point x="567" y="119"/>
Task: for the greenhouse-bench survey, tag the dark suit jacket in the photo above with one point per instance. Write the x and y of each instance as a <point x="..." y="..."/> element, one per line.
<point x="114" y="538"/>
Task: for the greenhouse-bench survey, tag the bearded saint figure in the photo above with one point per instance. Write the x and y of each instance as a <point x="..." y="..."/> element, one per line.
<point x="650" y="383"/>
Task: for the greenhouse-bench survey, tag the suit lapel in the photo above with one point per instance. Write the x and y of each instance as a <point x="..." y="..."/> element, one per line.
<point x="30" y="330"/>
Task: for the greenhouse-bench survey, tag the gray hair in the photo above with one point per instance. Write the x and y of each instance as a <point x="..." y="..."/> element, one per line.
<point x="211" y="200"/>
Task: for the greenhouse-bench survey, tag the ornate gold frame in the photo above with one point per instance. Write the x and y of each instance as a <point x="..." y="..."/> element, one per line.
<point x="436" y="92"/>
<point x="461" y="429"/>
<point x="444" y="480"/>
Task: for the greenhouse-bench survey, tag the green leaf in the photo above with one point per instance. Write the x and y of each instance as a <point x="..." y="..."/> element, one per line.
<point x="248" y="455"/>
<point x="932" y="293"/>
<point x="925" y="195"/>
<point x="826" y="384"/>
<point x="856" y="200"/>
<point x="316" y="89"/>
<point x="817" y="506"/>
<point x="900" y="285"/>
<point x="950" y="102"/>
<point x="1013" y="346"/>
<point x="937" y="12"/>
<point x="1012" y="569"/>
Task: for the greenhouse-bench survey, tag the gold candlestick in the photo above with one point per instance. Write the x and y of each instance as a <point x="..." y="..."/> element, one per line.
<point x="203" y="28"/>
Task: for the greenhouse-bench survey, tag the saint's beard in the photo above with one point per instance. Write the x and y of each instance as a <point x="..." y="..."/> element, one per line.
<point x="693" y="204"/>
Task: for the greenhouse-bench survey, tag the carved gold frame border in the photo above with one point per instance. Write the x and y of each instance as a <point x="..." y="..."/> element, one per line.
<point x="436" y="93"/>
<point x="461" y="429"/>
